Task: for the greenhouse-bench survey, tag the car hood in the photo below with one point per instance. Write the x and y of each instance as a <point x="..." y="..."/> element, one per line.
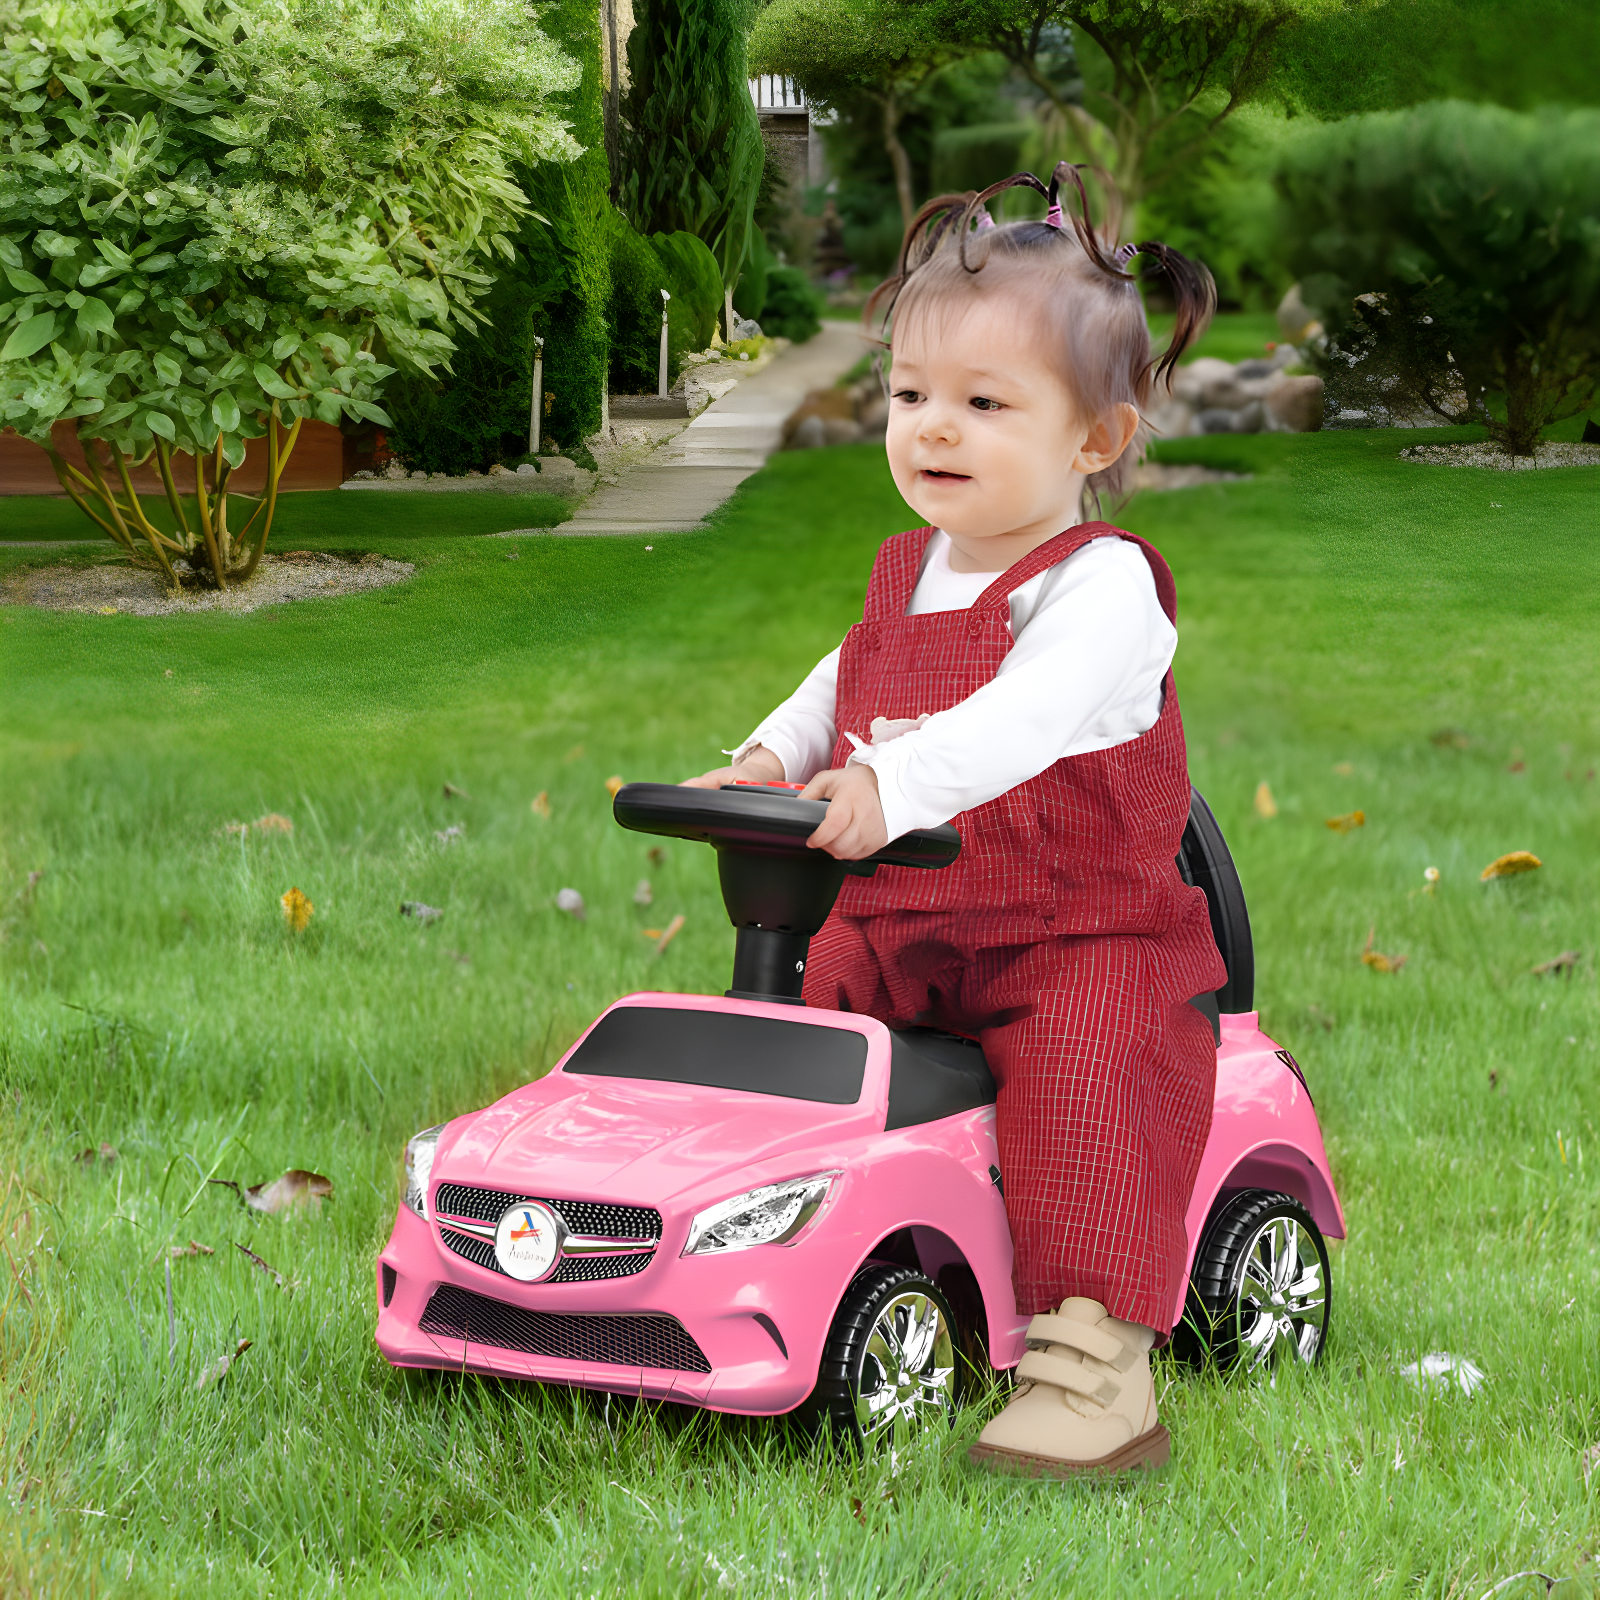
<point x="643" y="1143"/>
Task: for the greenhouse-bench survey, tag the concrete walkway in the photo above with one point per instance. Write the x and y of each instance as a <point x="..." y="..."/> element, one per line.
<point x="677" y="486"/>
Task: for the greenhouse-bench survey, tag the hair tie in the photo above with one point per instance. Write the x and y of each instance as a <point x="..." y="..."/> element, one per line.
<point x="1052" y="218"/>
<point x="985" y="221"/>
<point x="1123" y="254"/>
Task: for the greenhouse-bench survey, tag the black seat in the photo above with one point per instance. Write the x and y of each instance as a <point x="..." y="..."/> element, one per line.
<point x="1204" y="861"/>
<point x="933" y="1074"/>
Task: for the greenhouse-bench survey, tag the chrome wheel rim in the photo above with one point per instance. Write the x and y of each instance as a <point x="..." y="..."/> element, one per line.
<point x="1282" y="1303"/>
<point x="908" y="1370"/>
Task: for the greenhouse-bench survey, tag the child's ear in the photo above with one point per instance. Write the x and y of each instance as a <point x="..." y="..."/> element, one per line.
<point x="1111" y="434"/>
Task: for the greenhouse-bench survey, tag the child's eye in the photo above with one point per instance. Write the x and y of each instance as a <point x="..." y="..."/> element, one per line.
<point x="910" y="396"/>
<point x="986" y="405"/>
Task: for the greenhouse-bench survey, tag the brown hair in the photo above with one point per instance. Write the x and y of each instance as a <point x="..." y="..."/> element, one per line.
<point x="1089" y="302"/>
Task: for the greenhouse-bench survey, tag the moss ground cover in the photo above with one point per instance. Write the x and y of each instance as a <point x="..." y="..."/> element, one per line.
<point x="1357" y="632"/>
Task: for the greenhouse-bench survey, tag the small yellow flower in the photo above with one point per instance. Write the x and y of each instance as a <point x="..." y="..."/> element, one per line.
<point x="1266" y="806"/>
<point x="296" y="910"/>
<point x="612" y="785"/>
<point x="540" y="804"/>
<point x="1348" y="822"/>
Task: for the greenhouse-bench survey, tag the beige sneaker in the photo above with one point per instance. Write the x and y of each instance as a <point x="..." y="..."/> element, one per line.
<point x="1085" y="1401"/>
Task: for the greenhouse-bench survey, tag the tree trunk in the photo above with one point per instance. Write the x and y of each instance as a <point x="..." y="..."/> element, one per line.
<point x="898" y="158"/>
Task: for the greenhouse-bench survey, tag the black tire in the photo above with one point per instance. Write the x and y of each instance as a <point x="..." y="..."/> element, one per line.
<point x="852" y="1381"/>
<point x="1260" y="1290"/>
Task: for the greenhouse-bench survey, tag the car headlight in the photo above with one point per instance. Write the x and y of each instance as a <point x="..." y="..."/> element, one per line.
<point x="420" y="1150"/>
<point x="773" y="1214"/>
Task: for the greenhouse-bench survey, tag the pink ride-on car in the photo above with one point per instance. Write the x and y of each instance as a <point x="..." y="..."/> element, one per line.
<point x="749" y="1205"/>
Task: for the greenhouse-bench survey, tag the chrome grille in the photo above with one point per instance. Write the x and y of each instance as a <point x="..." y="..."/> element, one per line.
<point x="580" y="1216"/>
<point x="648" y="1340"/>
<point x="575" y="1269"/>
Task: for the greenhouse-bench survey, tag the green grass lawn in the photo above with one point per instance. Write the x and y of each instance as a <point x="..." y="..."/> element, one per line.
<point x="1357" y="632"/>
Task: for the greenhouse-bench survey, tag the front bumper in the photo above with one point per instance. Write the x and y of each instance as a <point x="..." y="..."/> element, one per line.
<point x="741" y="1332"/>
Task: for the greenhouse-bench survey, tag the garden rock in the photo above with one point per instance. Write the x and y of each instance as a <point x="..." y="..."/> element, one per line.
<point x="1255" y="396"/>
<point x="1295" y="404"/>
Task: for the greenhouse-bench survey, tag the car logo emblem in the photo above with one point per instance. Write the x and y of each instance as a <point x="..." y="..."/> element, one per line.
<point x="527" y="1241"/>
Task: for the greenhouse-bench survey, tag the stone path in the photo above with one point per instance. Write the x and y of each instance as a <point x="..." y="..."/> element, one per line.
<point x="674" y="489"/>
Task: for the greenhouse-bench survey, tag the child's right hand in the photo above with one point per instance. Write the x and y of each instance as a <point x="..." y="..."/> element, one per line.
<point x="758" y="765"/>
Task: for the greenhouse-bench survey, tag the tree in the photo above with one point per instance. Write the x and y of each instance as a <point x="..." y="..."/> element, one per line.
<point x="1454" y="253"/>
<point x="691" y="139"/>
<point x="1137" y="86"/>
<point x="884" y="48"/>
<point x="223" y="217"/>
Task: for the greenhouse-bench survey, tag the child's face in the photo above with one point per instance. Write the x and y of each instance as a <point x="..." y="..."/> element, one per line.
<point x="983" y="440"/>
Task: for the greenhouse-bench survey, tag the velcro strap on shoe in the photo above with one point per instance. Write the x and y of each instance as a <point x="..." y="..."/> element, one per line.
<point x="1092" y="1341"/>
<point x="1042" y="1367"/>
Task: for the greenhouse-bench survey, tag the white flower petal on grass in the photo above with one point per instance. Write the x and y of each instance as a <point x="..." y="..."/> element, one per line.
<point x="570" y="901"/>
<point x="1439" y="1369"/>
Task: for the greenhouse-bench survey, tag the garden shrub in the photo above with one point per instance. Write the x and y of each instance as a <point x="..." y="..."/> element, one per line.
<point x="219" y="219"/>
<point x="696" y="288"/>
<point x="975" y="157"/>
<point x="691" y="139"/>
<point x="1454" y="252"/>
<point x="793" y="308"/>
<point x="637" y="279"/>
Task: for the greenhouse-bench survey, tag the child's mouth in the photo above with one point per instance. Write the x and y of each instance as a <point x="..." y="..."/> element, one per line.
<point x="946" y="477"/>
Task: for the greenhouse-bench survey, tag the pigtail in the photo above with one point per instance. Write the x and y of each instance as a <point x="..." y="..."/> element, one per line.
<point x="1194" y="294"/>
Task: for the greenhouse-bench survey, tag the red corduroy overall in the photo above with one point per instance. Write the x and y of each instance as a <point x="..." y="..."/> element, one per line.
<point x="1063" y="939"/>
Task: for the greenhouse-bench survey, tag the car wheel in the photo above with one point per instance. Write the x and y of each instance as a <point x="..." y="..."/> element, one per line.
<point x="1260" y="1290"/>
<point x="890" y="1367"/>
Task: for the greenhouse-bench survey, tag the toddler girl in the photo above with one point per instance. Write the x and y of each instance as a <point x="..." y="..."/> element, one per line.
<point x="1011" y="674"/>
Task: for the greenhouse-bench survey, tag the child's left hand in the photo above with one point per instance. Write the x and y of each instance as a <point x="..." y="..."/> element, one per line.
<point x="854" y="826"/>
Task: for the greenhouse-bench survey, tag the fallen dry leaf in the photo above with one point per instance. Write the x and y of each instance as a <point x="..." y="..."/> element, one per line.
<point x="1345" y="769"/>
<point x="570" y="901"/>
<point x="1508" y="866"/>
<point x="643" y="894"/>
<point x="1377" y="960"/>
<point x="236" y="828"/>
<point x="218" y="1370"/>
<point x="613" y="783"/>
<point x="266" y="1267"/>
<point x="671" y="933"/>
<point x="1450" y="739"/>
<point x="1266" y="806"/>
<point x="649" y="933"/>
<point x="1565" y="962"/>
<point x="540" y="804"/>
<point x="194" y="1248"/>
<point x="1350" y="821"/>
<point x="453" y="793"/>
<point x="655" y="855"/>
<point x="273" y="823"/>
<point x="296" y="910"/>
<point x="295" y="1188"/>
<point x="1517" y="766"/>
<point x="106" y="1153"/>
<point x="423" y="913"/>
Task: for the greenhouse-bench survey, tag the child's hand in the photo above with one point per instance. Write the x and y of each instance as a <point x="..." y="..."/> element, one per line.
<point x="854" y="826"/>
<point x="755" y="766"/>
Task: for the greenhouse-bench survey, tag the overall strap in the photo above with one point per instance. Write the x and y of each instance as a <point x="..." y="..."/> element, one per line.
<point x="997" y="596"/>
<point x="894" y="574"/>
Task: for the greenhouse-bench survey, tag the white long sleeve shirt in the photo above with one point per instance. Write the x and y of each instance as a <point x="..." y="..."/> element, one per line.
<point x="1091" y="648"/>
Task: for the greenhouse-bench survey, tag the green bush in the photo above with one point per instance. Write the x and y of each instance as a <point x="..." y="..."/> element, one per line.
<point x="637" y="279"/>
<point x="1471" y="235"/>
<point x="691" y="138"/>
<point x="793" y="308"/>
<point x="219" y="219"/>
<point x="696" y="288"/>
<point x="975" y="157"/>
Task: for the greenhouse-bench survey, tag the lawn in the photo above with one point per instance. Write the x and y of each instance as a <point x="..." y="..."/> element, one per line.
<point x="1357" y="632"/>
